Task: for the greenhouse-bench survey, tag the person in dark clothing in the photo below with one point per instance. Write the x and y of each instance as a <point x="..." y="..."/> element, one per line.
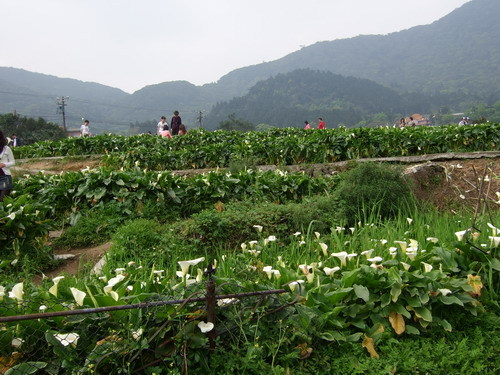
<point x="175" y="123"/>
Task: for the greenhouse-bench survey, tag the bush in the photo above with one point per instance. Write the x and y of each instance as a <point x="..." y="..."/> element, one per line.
<point x="142" y="239"/>
<point x="371" y="189"/>
<point x="235" y="224"/>
<point x="94" y="227"/>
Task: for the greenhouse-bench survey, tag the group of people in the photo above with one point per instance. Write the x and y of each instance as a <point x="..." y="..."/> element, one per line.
<point x="411" y="122"/>
<point x="176" y="126"/>
<point x="464" y="121"/>
<point x="321" y="124"/>
<point x="6" y="162"/>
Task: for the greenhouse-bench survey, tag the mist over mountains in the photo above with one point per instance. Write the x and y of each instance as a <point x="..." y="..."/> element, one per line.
<point x="452" y="62"/>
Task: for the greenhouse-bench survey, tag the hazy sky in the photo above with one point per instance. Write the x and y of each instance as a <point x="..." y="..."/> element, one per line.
<point x="133" y="43"/>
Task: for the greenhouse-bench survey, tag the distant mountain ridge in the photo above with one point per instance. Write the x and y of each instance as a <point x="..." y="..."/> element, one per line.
<point x="457" y="55"/>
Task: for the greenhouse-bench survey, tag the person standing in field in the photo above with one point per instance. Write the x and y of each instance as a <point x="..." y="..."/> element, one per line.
<point x="308" y="126"/>
<point x="175" y="123"/>
<point x="321" y="123"/>
<point x="84" y="129"/>
<point x="161" y="125"/>
<point x="6" y="161"/>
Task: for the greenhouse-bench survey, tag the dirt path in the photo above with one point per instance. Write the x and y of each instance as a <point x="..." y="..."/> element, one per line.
<point x="82" y="258"/>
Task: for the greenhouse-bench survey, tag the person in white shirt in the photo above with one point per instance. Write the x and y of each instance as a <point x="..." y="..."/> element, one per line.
<point x="161" y="125"/>
<point x="84" y="129"/>
<point x="6" y="162"/>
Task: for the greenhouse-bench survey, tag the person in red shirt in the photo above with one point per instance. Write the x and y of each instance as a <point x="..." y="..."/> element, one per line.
<point x="321" y="123"/>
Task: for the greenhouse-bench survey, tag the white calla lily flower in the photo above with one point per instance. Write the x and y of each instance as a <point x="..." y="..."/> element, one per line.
<point x="427" y="267"/>
<point x="53" y="288"/>
<point x="393" y="251"/>
<point x="413" y="243"/>
<point x="402" y="244"/>
<point x="432" y="239"/>
<point x="2" y="292"/>
<point x="460" y="235"/>
<point x="342" y="256"/>
<point x="375" y="260"/>
<point x="259" y="228"/>
<point x="411" y="252"/>
<point x="185" y="264"/>
<point x="409" y="220"/>
<point x="205" y="327"/>
<point x="324" y="248"/>
<point x="294" y="284"/>
<point x="136" y="335"/>
<point x="17" y="342"/>
<point x="317" y="234"/>
<point x="495" y="241"/>
<point x="17" y="292"/>
<point x="406" y="266"/>
<point x="367" y="253"/>
<point x="444" y="292"/>
<point x="67" y="339"/>
<point x="268" y="270"/>
<point x="78" y="295"/>
<point x="330" y="271"/>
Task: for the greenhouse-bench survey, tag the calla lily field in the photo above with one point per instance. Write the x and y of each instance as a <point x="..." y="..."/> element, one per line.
<point x="362" y="285"/>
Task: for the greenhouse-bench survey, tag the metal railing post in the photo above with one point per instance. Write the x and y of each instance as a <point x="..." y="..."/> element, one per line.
<point x="211" y="302"/>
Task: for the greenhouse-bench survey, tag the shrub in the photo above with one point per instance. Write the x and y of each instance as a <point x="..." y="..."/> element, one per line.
<point x="371" y="189"/>
<point x="235" y="224"/>
<point x="94" y="226"/>
<point x="142" y="239"/>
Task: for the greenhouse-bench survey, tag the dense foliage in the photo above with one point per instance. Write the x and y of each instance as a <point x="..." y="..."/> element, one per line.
<point x="30" y="130"/>
<point x="356" y="282"/>
<point x="202" y="149"/>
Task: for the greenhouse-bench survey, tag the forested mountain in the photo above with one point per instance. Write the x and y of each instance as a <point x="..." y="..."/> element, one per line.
<point x="290" y="99"/>
<point x="456" y="60"/>
<point x="458" y="53"/>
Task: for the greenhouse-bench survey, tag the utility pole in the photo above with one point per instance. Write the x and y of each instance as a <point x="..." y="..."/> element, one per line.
<point x="61" y="102"/>
<point x="200" y="117"/>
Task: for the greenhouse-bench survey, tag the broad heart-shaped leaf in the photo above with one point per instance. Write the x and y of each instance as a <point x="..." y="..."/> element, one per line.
<point x="26" y="368"/>
<point x="172" y="195"/>
<point x="337" y="295"/>
<point x="423" y="313"/>
<point x="395" y="292"/>
<point x="362" y="292"/>
<point x="495" y="264"/>
<point x="350" y="277"/>
<point x="412" y="330"/>
<point x="394" y="275"/>
<point x="397" y="322"/>
<point x="332" y="336"/>
<point x="450" y="300"/>
<point x="385" y="299"/>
